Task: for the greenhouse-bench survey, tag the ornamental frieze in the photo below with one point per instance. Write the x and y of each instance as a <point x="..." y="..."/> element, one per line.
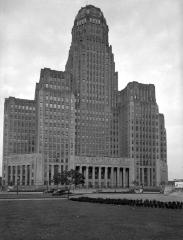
<point x="103" y="161"/>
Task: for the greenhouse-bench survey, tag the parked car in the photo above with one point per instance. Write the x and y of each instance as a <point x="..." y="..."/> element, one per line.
<point x="59" y="192"/>
<point x="139" y="190"/>
<point x="49" y="190"/>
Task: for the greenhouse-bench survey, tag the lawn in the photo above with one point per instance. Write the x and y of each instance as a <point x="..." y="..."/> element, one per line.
<point x="63" y="219"/>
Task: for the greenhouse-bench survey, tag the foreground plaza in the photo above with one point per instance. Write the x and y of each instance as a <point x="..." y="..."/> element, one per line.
<point x="80" y="120"/>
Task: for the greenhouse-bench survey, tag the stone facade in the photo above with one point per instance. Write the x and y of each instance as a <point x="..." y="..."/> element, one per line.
<point x="19" y="126"/>
<point x="104" y="172"/>
<point x="24" y="169"/>
<point x="94" y="83"/>
<point x="55" y="121"/>
<point x="142" y="134"/>
<point x="79" y="120"/>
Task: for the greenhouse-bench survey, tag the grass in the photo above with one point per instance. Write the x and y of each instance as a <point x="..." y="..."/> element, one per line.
<point x="68" y="220"/>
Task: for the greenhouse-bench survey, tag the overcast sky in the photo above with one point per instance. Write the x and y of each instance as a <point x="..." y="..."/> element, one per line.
<point x="145" y="36"/>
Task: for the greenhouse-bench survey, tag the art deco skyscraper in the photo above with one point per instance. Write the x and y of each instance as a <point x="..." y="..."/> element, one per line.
<point x="94" y="83"/>
<point x="79" y="120"/>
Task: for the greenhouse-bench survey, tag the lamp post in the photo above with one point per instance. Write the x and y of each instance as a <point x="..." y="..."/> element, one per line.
<point x="18" y="182"/>
<point x="69" y="183"/>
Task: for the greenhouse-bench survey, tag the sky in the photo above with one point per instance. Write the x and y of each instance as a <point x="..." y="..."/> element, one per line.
<point x="146" y="40"/>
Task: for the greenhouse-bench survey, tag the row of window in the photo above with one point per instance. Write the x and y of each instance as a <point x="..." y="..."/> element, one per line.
<point x="56" y="87"/>
<point x="22" y="107"/>
<point x="92" y="20"/>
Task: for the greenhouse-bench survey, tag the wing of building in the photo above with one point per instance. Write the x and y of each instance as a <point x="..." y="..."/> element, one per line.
<point x="79" y="120"/>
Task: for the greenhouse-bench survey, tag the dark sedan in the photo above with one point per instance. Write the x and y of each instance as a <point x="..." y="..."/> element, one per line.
<point x="59" y="192"/>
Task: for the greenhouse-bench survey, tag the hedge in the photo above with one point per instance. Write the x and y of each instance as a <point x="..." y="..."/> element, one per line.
<point x="130" y="202"/>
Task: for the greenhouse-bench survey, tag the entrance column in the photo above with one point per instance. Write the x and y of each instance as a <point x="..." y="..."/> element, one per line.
<point x="80" y="169"/>
<point x="20" y="174"/>
<point x="148" y="176"/>
<point x="59" y="168"/>
<point x="86" y="177"/>
<point x="30" y="175"/>
<point x="124" y="177"/>
<point x="16" y="173"/>
<point x="93" y="177"/>
<point x="143" y="176"/>
<point x="11" y="174"/>
<point x="112" y="177"/>
<point x="127" y="177"/>
<point x="151" y="171"/>
<point x="25" y="175"/>
<point x="138" y="179"/>
<point x="118" y="178"/>
<point x="83" y="171"/>
<point x="105" y="177"/>
<point x="47" y="174"/>
<point x="99" y="177"/>
<point x="52" y="174"/>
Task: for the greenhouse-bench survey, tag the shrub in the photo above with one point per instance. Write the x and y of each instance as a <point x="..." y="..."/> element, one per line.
<point x="130" y="202"/>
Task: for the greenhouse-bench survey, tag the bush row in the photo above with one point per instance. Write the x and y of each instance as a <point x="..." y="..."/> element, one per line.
<point x="138" y="203"/>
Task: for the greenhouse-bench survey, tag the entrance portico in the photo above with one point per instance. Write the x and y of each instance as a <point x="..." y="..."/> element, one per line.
<point x="105" y="172"/>
<point x="104" y="177"/>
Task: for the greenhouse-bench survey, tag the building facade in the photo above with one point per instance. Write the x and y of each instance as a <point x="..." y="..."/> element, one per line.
<point x="142" y="134"/>
<point x="94" y="83"/>
<point x="55" y="122"/>
<point x="79" y="119"/>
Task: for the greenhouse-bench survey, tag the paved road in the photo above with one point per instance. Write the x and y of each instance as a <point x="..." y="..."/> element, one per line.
<point x="23" y="196"/>
<point x="31" y="199"/>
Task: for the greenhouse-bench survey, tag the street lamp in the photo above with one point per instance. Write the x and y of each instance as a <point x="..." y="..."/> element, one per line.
<point x="18" y="182"/>
<point x="69" y="182"/>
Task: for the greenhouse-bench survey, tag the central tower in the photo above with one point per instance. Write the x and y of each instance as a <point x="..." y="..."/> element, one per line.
<point x="94" y="83"/>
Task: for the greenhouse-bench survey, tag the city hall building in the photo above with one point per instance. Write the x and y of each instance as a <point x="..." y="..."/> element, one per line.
<point x="79" y="120"/>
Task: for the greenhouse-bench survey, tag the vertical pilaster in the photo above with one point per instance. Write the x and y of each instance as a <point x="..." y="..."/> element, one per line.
<point x="105" y="177"/>
<point x="118" y="178"/>
<point x="52" y="174"/>
<point x="112" y="177"/>
<point x="99" y="176"/>
<point x="16" y="172"/>
<point x="11" y="174"/>
<point x="93" y="176"/>
<point x="5" y="172"/>
<point x="25" y="175"/>
<point x="47" y="174"/>
<point x="124" y="177"/>
<point x="149" y="176"/>
<point x="30" y="174"/>
<point x="86" y="178"/>
<point x="139" y="175"/>
<point x="143" y="176"/>
<point x="127" y="177"/>
<point x="21" y="174"/>
<point x="59" y="168"/>
<point x="80" y="169"/>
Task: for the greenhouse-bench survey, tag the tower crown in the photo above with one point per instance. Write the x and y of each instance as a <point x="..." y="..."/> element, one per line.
<point x="90" y="25"/>
<point x="89" y="12"/>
